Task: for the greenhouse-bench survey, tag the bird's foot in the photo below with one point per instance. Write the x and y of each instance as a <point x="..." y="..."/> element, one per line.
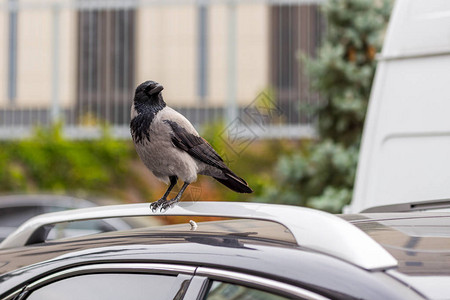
<point x="157" y="204"/>
<point x="168" y="204"/>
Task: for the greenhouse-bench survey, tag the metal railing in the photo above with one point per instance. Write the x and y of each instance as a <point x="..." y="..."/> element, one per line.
<point x="236" y="62"/>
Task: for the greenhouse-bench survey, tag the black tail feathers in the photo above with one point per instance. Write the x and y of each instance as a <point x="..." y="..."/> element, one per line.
<point x="235" y="183"/>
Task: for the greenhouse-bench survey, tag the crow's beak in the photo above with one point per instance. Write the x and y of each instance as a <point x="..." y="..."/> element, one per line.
<point x="156" y="89"/>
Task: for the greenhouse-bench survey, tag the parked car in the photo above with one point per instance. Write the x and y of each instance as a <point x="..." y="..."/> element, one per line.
<point x="16" y="209"/>
<point x="265" y="251"/>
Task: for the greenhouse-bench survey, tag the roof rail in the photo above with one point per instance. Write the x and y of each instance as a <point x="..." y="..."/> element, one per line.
<point x="410" y="206"/>
<point x="312" y="229"/>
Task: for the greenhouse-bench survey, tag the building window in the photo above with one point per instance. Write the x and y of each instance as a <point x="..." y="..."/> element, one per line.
<point x="12" y="52"/>
<point x="106" y="64"/>
<point x="295" y="29"/>
<point x="202" y="52"/>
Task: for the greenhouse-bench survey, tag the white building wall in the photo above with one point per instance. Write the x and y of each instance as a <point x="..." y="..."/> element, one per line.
<point x="253" y="58"/>
<point x="35" y="57"/>
<point x="217" y="71"/>
<point x="167" y="40"/>
<point x="252" y="52"/>
<point x="166" y="51"/>
<point x="68" y="61"/>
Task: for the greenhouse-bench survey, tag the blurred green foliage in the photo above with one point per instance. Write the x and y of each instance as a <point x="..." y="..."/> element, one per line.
<point x="47" y="161"/>
<point x="322" y="173"/>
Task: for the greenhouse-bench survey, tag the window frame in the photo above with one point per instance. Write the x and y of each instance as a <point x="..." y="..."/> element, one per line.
<point x="182" y="273"/>
<point x="207" y="275"/>
<point x="199" y="278"/>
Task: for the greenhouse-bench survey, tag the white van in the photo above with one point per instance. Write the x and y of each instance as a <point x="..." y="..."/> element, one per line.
<point x="405" y="153"/>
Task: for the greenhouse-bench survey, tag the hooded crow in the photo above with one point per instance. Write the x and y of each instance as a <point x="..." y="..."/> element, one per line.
<point x="171" y="148"/>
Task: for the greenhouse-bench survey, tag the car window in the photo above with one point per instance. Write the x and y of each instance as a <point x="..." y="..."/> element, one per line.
<point x="108" y="287"/>
<point x="222" y="291"/>
<point x="80" y="228"/>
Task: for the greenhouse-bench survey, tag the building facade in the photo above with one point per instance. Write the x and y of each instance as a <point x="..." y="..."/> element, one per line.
<point x="85" y="58"/>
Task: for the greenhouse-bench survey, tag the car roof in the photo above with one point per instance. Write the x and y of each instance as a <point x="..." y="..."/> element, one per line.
<point x="311" y="228"/>
<point x="218" y="233"/>
<point x="257" y="247"/>
<point x="419" y="241"/>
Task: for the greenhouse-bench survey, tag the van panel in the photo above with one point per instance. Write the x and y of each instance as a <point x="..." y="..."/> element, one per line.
<point x="405" y="150"/>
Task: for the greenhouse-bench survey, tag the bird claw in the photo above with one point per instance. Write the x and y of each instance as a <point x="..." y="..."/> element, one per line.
<point x="157" y="204"/>
<point x="154" y="207"/>
<point x="164" y="208"/>
<point x="163" y="204"/>
<point x="168" y="204"/>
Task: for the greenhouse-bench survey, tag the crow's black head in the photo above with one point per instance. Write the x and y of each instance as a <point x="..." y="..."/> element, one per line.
<point x="148" y="97"/>
<point x="148" y="101"/>
<point x="149" y="92"/>
<point x="149" y="89"/>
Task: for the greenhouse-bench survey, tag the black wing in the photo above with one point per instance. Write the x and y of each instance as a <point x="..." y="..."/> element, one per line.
<point x="200" y="149"/>
<point x="196" y="146"/>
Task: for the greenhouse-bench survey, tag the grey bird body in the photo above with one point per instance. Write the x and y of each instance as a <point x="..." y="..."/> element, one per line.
<point x="171" y="148"/>
<point x="161" y="157"/>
